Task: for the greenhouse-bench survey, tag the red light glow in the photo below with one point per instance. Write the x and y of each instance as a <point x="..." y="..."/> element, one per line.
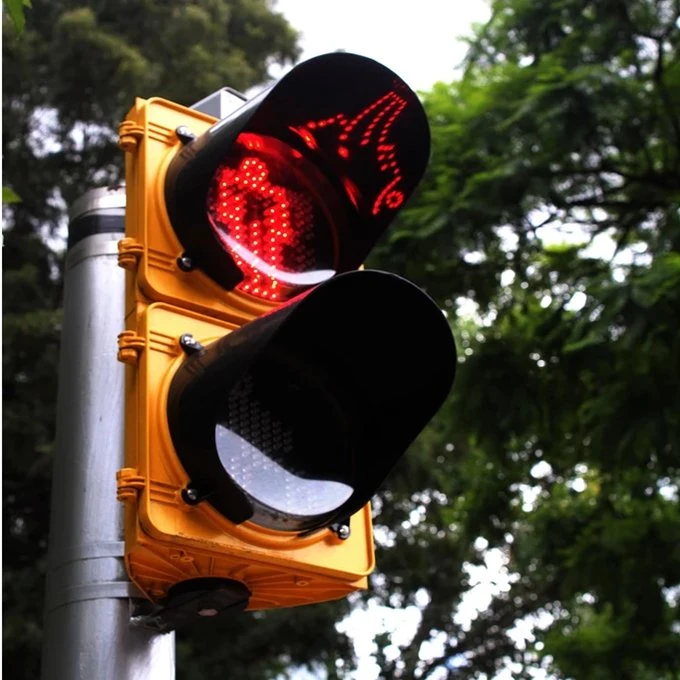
<point x="267" y="221"/>
<point x="370" y="127"/>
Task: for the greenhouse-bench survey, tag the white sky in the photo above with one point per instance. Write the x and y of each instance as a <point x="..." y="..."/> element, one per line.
<point x="416" y="39"/>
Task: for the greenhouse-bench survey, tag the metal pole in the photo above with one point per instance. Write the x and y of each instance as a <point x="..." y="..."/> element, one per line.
<point x="88" y="605"/>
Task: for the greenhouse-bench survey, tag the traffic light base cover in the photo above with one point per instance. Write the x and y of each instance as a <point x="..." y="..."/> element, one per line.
<point x="193" y="602"/>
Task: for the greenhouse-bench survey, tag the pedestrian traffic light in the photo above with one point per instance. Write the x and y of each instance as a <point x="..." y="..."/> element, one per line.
<point x="272" y="383"/>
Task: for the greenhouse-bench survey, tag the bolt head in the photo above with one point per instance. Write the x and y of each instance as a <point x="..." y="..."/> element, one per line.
<point x="191" y="494"/>
<point x="343" y="532"/>
<point x="185" y="263"/>
<point x="184" y="134"/>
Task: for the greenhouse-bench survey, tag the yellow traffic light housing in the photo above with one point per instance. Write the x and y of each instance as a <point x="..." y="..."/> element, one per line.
<point x="271" y="386"/>
<point x="169" y="540"/>
<point x="151" y="248"/>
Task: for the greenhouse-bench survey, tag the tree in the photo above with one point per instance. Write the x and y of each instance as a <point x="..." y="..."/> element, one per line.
<point x="552" y="202"/>
<point x="69" y="78"/>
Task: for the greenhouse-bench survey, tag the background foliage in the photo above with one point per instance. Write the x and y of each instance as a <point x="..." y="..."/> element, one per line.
<point x="551" y="203"/>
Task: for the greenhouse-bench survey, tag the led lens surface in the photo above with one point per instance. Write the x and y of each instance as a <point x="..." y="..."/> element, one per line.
<point x="263" y="449"/>
<point x="262" y="476"/>
<point x="268" y="207"/>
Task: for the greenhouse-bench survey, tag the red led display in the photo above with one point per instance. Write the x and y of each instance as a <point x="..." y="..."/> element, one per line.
<point x="268" y="221"/>
<point x="369" y="128"/>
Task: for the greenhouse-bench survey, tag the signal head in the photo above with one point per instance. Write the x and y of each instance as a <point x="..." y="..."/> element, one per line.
<point x="246" y="459"/>
<point x="299" y="183"/>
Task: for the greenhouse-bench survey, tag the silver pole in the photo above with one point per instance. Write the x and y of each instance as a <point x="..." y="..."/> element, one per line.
<point x="88" y="635"/>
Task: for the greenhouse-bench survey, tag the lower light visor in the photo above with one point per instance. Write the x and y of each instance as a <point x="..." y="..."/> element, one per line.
<point x="293" y="421"/>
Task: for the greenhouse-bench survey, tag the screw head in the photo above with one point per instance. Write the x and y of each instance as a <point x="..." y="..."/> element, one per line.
<point x="184" y="134"/>
<point x="189" y="344"/>
<point x="190" y="495"/>
<point x="188" y="341"/>
<point x="185" y="263"/>
<point x="343" y="532"/>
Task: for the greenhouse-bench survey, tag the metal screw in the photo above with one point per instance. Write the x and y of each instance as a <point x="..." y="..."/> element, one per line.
<point x="189" y="344"/>
<point x="185" y="263"/>
<point x="343" y="532"/>
<point x="184" y="134"/>
<point x="190" y="495"/>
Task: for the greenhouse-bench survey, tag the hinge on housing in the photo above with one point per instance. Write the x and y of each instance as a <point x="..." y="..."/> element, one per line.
<point x="129" y="134"/>
<point x="130" y="346"/>
<point x="129" y="252"/>
<point x="129" y="482"/>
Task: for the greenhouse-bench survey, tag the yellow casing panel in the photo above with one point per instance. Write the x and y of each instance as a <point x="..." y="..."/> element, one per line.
<point x="148" y="137"/>
<point x="166" y="540"/>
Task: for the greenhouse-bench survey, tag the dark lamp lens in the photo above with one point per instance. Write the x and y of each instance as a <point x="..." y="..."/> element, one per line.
<point x="268" y="207"/>
<point x="267" y="445"/>
<point x="261" y="474"/>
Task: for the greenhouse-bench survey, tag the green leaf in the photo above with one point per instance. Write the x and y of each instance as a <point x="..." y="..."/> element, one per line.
<point x="594" y="338"/>
<point x="662" y="278"/>
<point x="15" y="9"/>
<point x="10" y="196"/>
